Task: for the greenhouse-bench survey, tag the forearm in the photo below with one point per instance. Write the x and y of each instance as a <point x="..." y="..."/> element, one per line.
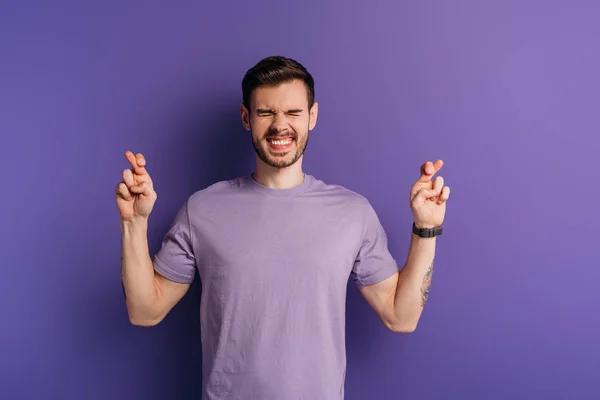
<point x="137" y="273"/>
<point x="414" y="281"/>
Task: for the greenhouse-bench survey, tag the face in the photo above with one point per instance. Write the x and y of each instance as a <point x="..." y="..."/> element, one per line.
<point x="280" y="121"/>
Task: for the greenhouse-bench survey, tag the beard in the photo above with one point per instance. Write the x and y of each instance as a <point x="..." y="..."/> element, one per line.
<point x="279" y="160"/>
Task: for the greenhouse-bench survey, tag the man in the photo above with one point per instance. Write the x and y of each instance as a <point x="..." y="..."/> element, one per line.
<point x="274" y="251"/>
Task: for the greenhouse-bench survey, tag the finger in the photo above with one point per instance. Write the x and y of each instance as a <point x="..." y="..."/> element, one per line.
<point x="445" y="195"/>
<point x="138" y="162"/>
<point x="426" y="172"/>
<point x="128" y="178"/>
<point x="123" y="191"/>
<point x="141" y="161"/>
<point x="438" y="184"/>
<point x="429" y="169"/>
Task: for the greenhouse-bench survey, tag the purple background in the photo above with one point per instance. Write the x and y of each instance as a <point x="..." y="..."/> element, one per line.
<point x="507" y="94"/>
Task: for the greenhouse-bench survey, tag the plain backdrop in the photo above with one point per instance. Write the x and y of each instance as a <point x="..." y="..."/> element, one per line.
<point x="506" y="93"/>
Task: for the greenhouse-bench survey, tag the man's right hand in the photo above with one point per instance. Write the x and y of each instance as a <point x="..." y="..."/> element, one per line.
<point x="135" y="193"/>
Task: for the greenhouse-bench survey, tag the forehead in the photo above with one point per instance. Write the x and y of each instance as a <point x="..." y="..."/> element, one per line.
<point x="287" y="95"/>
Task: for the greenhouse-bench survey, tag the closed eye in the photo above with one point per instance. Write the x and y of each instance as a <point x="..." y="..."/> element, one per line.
<point x="263" y="112"/>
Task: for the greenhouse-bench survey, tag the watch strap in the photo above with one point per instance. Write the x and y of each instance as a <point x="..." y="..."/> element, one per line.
<point x="426" y="232"/>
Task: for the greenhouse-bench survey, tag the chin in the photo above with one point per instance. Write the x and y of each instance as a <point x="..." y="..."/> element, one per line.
<point x="278" y="159"/>
<point x="280" y="163"/>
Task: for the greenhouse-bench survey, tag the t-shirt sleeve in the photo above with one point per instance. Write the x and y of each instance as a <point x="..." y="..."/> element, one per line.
<point x="175" y="260"/>
<point x="374" y="262"/>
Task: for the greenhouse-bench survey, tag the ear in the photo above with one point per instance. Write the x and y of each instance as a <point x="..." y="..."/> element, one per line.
<point x="314" y="112"/>
<point x="245" y="116"/>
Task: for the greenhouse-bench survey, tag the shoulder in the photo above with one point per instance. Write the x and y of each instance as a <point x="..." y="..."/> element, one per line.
<point x="217" y="188"/>
<point x="340" y="193"/>
<point x="347" y="204"/>
<point x="213" y="193"/>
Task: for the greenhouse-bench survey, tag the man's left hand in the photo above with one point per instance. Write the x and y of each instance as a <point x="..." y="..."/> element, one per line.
<point x="428" y="198"/>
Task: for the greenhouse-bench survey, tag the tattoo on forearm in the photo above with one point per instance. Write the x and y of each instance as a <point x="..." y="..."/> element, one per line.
<point x="426" y="285"/>
<point x="123" y="276"/>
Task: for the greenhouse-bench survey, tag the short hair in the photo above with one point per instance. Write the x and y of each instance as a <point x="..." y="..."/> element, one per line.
<point x="275" y="70"/>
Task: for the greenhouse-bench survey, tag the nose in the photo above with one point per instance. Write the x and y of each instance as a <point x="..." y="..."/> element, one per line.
<point x="279" y="123"/>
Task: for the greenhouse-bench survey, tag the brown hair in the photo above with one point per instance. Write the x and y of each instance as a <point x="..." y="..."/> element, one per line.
<point x="275" y="70"/>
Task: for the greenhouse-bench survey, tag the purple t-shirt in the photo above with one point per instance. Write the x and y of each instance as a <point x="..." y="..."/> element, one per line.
<point x="274" y="266"/>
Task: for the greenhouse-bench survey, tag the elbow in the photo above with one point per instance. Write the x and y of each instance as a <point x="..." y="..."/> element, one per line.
<point x="143" y="322"/>
<point x="137" y="318"/>
<point x="402" y="326"/>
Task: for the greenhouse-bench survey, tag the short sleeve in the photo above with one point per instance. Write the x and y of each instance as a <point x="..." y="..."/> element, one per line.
<point x="175" y="260"/>
<point x="374" y="262"/>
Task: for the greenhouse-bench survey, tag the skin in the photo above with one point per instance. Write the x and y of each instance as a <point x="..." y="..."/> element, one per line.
<point x="277" y="111"/>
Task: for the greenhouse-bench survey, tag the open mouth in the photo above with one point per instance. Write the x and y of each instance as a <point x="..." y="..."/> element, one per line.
<point x="280" y="144"/>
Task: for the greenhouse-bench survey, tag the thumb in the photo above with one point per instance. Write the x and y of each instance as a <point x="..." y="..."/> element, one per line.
<point x="142" y="188"/>
<point x="424" y="194"/>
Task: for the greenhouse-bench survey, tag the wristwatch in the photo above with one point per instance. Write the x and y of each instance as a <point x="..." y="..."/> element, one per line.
<point x="427" y="232"/>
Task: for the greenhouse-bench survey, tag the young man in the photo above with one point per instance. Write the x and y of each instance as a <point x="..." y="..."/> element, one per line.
<point x="274" y="251"/>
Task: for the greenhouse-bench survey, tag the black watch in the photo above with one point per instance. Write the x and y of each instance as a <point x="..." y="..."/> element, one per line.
<point x="427" y="232"/>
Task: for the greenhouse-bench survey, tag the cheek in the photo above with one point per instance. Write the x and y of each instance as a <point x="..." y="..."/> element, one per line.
<point x="262" y="122"/>
<point x="259" y="126"/>
<point x="300" y="125"/>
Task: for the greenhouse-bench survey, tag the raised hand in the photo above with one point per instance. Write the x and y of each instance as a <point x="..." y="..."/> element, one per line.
<point x="427" y="198"/>
<point x="135" y="193"/>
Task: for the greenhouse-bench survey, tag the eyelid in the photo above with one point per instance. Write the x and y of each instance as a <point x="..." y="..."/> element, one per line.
<point x="272" y="113"/>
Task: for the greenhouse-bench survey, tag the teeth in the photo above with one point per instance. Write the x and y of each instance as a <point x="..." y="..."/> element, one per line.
<point x="281" y="142"/>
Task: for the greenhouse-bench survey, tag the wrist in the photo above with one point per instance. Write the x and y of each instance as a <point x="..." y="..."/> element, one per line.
<point x="420" y="225"/>
<point x="134" y="224"/>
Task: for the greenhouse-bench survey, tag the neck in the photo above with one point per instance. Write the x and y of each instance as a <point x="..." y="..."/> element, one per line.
<point x="279" y="178"/>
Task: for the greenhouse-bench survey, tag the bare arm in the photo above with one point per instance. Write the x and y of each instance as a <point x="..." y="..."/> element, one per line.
<point x="149" y="296"/>
<point x="400" y="299"/>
